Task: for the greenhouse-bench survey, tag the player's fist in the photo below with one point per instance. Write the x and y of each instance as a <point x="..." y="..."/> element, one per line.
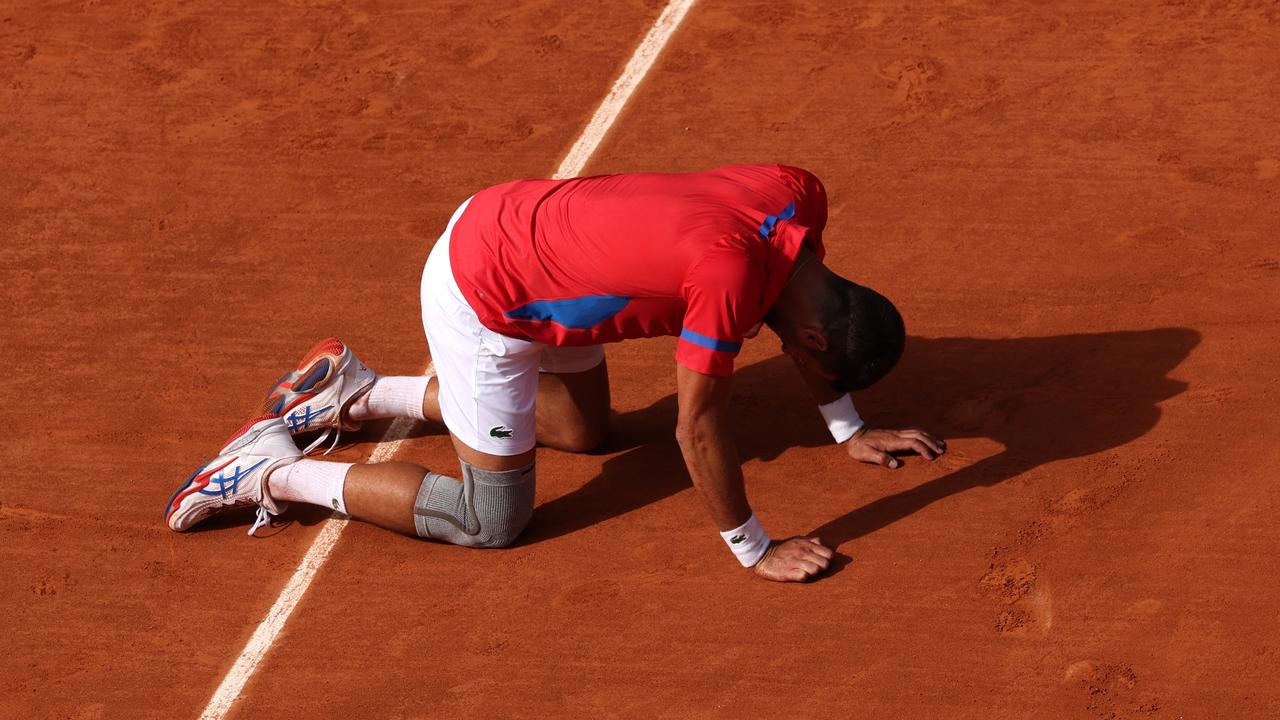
<point x="875" y="446"/>
<point x="794" y="560"/>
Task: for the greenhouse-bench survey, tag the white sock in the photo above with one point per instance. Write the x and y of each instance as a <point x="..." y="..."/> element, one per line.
<point x="392" y="397"/>
<point x="315" y="482"/>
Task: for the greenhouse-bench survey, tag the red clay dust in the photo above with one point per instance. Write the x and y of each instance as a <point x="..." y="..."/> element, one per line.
<point x="1075" y="205"/>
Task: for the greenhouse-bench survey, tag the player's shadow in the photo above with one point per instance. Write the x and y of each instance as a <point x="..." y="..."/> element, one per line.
<point x="1042" y="398"/>
<point x="304" y="515"/>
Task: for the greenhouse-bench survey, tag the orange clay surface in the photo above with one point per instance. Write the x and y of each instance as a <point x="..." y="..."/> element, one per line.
<point x="1074" y="204"/>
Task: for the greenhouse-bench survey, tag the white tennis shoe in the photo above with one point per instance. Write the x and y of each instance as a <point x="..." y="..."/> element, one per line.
<point x="237" y="477"/>
<point x="318" y="394"/>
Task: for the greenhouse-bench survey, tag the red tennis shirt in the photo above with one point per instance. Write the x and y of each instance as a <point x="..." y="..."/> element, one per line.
<point x="590" y="260"/>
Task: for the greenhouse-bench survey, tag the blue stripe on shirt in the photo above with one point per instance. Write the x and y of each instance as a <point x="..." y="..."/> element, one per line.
<point x="580" y="313"/>
<point x="708" y="342"/>
<point x="766" y="227"/>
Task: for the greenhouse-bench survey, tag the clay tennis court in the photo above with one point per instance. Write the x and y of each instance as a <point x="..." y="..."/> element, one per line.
<point x="1075" y="205"/>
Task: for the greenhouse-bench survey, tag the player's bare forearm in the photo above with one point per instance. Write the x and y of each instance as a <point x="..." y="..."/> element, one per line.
<point x="709" y="452"/>
<point x="707" y="444"/>
<point x="717" y="474"/>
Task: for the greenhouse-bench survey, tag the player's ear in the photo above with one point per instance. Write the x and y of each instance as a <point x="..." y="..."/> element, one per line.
<point x="813" y="339"/>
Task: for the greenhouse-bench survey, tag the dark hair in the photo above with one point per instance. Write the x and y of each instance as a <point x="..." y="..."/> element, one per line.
<point x="864" y="334"/>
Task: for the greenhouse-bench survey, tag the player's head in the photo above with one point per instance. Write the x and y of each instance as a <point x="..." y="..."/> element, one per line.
<point x="864" y="335"/>
<point x="846" y="333"/>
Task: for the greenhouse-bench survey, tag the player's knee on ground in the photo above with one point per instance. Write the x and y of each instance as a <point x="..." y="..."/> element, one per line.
<point x="487" y="509"/>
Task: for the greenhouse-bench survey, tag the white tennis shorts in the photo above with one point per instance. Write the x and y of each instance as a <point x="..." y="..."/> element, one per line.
<point x="488" y="381"/>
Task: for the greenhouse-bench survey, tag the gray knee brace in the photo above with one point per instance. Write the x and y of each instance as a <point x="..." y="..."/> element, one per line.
<point x="487" y="509"/>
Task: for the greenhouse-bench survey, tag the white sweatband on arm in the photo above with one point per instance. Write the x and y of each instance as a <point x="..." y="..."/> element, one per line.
<point x="842" y="418"/>
<point x="748" y="541"/>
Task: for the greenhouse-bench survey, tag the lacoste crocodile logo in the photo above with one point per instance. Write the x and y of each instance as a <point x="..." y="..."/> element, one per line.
<point x="500" y="432"/>
<point x="737" y="539"/>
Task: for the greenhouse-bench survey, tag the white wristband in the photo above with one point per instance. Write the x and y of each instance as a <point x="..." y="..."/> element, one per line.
<point x="842" y="418"/>
<point x="748" y="541"/>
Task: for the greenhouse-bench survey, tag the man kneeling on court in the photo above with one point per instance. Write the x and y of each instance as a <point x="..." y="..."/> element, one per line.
<point x="526" y="283"/>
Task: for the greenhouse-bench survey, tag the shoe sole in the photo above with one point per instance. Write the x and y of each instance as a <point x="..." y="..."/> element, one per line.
<point x="313" y="374"/>
<point x="199" y="479"/>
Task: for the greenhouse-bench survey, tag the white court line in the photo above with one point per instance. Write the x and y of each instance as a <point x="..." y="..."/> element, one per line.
<point x="637" y="67"/>
<point x="269" y="629"/>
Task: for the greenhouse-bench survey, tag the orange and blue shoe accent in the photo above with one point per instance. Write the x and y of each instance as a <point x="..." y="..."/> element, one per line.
<point x="316" y="395"/>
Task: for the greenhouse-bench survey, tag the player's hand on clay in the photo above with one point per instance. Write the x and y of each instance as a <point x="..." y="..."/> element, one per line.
<point x="875" y="446"/>
<point x="794" y="560"/>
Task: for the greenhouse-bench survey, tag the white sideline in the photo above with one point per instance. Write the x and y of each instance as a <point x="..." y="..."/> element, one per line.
<point x="269" y="629"/>
<point x="637" y="67"/>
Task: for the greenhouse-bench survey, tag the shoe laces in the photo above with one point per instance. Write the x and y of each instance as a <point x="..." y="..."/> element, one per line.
<point x="336" y="433"/>
<point x="264" y="518"/>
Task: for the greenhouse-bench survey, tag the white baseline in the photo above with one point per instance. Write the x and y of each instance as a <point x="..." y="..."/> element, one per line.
<point x="269" y="629"/>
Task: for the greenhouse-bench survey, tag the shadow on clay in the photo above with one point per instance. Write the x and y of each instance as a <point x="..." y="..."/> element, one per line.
<point x="304" y="515"/>
<point x="1043" y="398"/>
